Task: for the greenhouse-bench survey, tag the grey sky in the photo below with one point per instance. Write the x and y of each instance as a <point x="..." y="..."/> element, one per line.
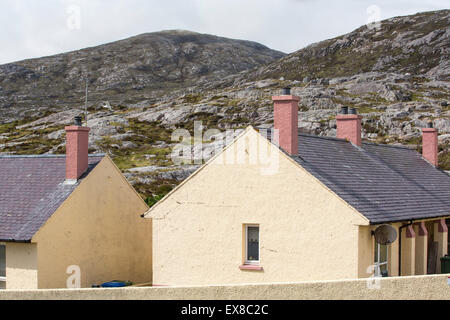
<point x="30" y="28"/>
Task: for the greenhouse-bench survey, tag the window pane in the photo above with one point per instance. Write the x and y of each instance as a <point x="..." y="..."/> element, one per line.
<point x="383" y="253"/>
<point x="382" y="250"/>
<point x="253" y="243"/>
<point x="375" y="259"/>
<point x="2" y="261"/>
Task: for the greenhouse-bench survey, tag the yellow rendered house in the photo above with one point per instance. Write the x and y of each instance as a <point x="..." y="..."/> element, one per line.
<point x="283" y="206"/>
<point x="70" y="221"/>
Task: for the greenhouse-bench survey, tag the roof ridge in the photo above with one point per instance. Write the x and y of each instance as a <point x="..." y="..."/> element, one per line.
<point x="321" y="137"/>
<point x="363" y="142"/>
<point x="46" y="155"/>
<point x="345" y="140"/>
<point x="308" y="135"/>
<point x="402" y="146"/>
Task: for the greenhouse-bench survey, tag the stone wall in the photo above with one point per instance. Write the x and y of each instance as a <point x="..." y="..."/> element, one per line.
<point x="401" y="288"/>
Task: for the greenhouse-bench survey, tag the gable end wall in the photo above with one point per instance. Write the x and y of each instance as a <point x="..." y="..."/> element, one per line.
<point x="306" y="231"/>
<point x="99" y="229"/>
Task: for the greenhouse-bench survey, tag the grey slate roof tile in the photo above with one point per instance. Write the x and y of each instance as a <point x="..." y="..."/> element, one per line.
<point x="31" y="189"/>
<point x="384" y="183"/>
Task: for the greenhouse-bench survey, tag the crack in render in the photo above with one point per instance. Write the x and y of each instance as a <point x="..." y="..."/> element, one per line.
<point x="179" y="203"/>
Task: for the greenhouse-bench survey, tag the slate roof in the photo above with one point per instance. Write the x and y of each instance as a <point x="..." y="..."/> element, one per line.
<point x="31" y="189"/>
<point x="385" y="183"/>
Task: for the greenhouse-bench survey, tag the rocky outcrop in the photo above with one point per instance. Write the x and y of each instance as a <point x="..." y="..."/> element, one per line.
<point x="417" y="44"/>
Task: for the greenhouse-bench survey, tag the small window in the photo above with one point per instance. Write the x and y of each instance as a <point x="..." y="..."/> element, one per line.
<point x="381" y="259"/>
<point x="252" y="244"/>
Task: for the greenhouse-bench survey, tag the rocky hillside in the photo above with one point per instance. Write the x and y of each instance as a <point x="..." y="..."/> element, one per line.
<point x="416" y="45"/>
<point x="133" y="70"/>
<point x="394" y="90"/>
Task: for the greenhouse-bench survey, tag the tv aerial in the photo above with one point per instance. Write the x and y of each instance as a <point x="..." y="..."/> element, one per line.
<point x="86" y="101"/>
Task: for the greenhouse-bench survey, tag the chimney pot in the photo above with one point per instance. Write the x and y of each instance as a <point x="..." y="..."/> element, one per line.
<point x="344" y="110"/>
<point x="430" y="124"/>
<point x="286" y="91"/>
<point x="352" y="111"/>
<point x="78" y="121"/>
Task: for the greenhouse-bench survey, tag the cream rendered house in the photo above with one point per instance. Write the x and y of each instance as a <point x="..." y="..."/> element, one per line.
<point x="70" y="221"/>
<point x="303" y="208"/>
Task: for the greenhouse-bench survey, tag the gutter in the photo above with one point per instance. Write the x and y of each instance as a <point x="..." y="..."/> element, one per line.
<point x="15" y="241"/>
<point x="426" y="218"/>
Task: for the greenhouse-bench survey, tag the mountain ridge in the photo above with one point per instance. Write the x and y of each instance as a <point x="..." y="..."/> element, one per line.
<point x="136" y="68"/>
<point x="165" y="31"/>
<point x="399" y="45"/>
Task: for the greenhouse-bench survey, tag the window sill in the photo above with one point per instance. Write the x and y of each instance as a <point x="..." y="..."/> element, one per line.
<point x="250" y="267"/>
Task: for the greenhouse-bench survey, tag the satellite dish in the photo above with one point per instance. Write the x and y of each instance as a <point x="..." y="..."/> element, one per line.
<point x="385" y="234"/>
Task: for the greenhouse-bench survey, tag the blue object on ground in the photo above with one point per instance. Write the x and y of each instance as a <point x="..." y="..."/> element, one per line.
<point x="115" y="284"/>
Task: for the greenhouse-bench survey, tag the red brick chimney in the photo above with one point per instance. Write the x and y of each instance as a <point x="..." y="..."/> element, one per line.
<point x="430" y="144"/>
<point x="349" y="125"/>
<point x="77" y="146"/>
<point x="285" y="118"/>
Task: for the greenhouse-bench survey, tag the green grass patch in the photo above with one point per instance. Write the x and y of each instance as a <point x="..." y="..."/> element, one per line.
<point x="366" y="109"/>
<point x="193" y="98"/>
<point x="33" y="146"/>
<point x="152" y="131"/>
<point x="156" y="190"/>
<point x="146" y="135"/>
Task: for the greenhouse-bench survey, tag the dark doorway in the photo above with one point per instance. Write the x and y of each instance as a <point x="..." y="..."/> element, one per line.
<point x="2" y="267"/>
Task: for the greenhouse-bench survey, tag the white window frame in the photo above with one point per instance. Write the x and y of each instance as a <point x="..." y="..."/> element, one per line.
<point x="252" y="262"/>
<point x="378" y="264"/>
